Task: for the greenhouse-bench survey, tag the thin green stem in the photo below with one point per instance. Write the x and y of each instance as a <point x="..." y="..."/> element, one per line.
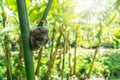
<point x="39" y="61"/>
<point x="63" y="60"/>
<point x="96" y="51"/>
<point x="74" y="68"/>
<point x="45" y="14"/>
<point x="25" y="34"/>
<point x="51" y="62"/>
<point x="6" y="46"/>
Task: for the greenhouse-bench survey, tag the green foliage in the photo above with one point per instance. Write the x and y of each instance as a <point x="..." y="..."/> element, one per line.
<point x="2" y="69"/>
<point x="113" y="62"/>
<point x="6" y="30"/>
<point x="67" y="15"/>
<point x="117" y="33"/>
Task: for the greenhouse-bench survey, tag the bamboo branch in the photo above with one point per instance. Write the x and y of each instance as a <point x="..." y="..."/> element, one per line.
<point x="45" y="14"/>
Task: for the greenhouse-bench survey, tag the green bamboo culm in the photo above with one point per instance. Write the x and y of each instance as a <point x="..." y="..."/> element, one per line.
<point x="25" y="34"/>
<point x="96" y="51"/>
<point x="45" y="14"/>
<point x="6" y="47"/>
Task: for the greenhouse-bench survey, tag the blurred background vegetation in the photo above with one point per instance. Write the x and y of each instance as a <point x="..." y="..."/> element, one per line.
<point x="84" y="40"/>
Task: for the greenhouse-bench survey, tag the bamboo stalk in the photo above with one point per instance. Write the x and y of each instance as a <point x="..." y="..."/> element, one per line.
<point x="51" y="52"/>
<point x="96" y="51"/>
<point x="25" y="34"/>
<point x="20" y="57"/>
<point x="39" y="61"/>
<point x="63" y="59"/>
<point x="51" y="62"/>
<point x="8" y="58"/>
<point x="74" y="67"/>
<point x="7" y="47"/>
